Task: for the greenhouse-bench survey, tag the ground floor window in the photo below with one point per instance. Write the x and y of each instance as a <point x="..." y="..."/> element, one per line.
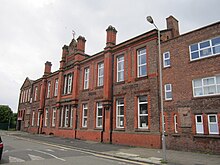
<point x="33" y="116"/>
<point x="199" y="124"/>
<point x="66" y="116"/>
<point x="46" y="117"/>
<point x="99" y="115"/>
<point x="175" y="123"/>
<point x="54" y="117"/>
<point x="142" y="112"/>
<point x="85" y="115"/>
<point x="120" y="113"/>
<point x="38" y="118"/>
<point x="213" y="124"/>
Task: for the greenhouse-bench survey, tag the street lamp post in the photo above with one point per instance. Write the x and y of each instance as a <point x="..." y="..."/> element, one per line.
<point x="150" y="20"/>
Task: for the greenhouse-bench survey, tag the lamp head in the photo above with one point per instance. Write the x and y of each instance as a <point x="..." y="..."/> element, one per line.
<point x="150" y="19"/>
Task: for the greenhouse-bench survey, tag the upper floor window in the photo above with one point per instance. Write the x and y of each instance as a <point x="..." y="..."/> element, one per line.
<point x="142" y="62"/>
<point x="100" y="74"/>
<point x="67" y="84"/>
<point x="35" y="94"/>
<point x="213" y="124"/>
<point x="29" y="94"/>
<point x="120" y="68"/>
<point x="86" y="78"/>
<point x="48" y="90"/>
<point x="206" y="86"/>
<point x="166" y="59"/>
<point x="199" y="124"/>
<point x="205" y="49"/>
<point x="120" y="113"/>
<point x="99" y="115"/>
<point x="56" y="87"/>
<point x="168" y="91"/>
<point x="142" y="112"/>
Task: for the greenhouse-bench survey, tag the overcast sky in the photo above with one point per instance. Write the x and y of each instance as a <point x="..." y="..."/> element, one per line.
<point x="34" y="31"/>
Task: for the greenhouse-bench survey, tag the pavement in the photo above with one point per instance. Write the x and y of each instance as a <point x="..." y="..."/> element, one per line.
<point x="144" y="155"/>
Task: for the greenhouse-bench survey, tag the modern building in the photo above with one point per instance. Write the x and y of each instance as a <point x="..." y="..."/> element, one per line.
<point x="113" y="96"/>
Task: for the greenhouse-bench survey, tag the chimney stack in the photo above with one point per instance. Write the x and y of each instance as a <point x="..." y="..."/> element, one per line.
<point x="81" y="44"/>
<point x="47" y="69"/>
<point x="172" y="23"/>
<point x="111" y="36"/>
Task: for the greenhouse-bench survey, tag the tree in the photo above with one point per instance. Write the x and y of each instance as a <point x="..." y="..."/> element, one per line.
<point x="5" y="113"/>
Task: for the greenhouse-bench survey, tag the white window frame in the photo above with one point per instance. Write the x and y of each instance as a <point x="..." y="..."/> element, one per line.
<point x="46" y="117"/>
<point x="120" y="61"/>
<point x="69" y="87"/>
<point x="21" y="99"/>
<point x="66" y="117"/>
<point x="168" y="91"/>
<point x="166" y="59"/>
<point x="140" y="115"/>
<point x="86" y="78"/>
<point x="199" y="125"/>
<point x="48" y="89"/>
<point x="71" y="116"/>
<point x="213" y="123"/>
<point x="203" y="86"/>
<point x="100" y="76"/>
<point x="61" y="116"/>
<point x="85" y="117"/>
<point x="29" y="94"/>
<point x="33" y="117"/>
<point x="56" y="87"/>
<point x="211" y="47"/>
<point x="119" y="116"/>
<point x="54" y="117"/>
<point x="38" y="119"/>
<point x="35" y="93"/>
<point x="99" y="108"/>
<point x="139" y="65"/>
<point x="175" y="123"/>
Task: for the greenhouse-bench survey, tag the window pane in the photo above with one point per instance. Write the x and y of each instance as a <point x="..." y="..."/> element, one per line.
<point x="99" y="112"/>
<point x="205" y="52"/>
<point x="197" y="83"/>
<point x="204" y="44"/>
<point x="166" y="55"/>
<point x="121" y="121"/>
<point x="199" y="119"/>
<point x="120" y="76"/>
<point x="208" y="81"/>
<point x="85" y="112"/>
<point x="143" y="121"/>
<point x="99" y="121"/>
<point x="218" y="88"/>
<point x="210" y="90"/>
<point x="212" y="119"/>
<point x="121" y="110"/>
<point x="199" y="128"/>
<point x="215" y="41"/>
<point x="143" y="109"/>
<point x="213" y="128"/>
<point x="167" y="62"/>
<point x="85" y="122"/>
<point x="216" y="49"/>
<point x="195" y="55"/>
<point x="169" y="95"/>
<point x="143" y="99"/>
<point x="143" y="70"/>
<point x="142" y="59"/>
<point x="194" y="47"/>
<point x="218" y="79"/>
<point x="120" y="66"/>
<point x="168" y="87"/>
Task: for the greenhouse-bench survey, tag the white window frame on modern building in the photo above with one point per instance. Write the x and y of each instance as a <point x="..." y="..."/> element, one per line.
<point x="168" y="91"/>
<point x="213" y="124"/>
<point x="142" y="63"/>
<point x="99" y="115"/>
<point x="38" y="119"/>
<point x="48" y="89"/>
<point x="56" y="87"/>
<point x="54" y="117"/>
<point x="86" y="78"/>
<point x="206" y="86"/>
<point x="120" y="68"/>
<point x="100" y="74"/>
<point x="33" y="117"/>
<point x="199" y="124"/>
<point x="175" y="123"/>
<point x="141" y="115"/>
<point x="35" y="93"/>
<point x="85" y="115"/>
<point x="166" y="59"/>
<point x="120" y="113"/>
<point x="205" y="49"/>
<point x="66" y="117"/>
<point x="46" y="117"/>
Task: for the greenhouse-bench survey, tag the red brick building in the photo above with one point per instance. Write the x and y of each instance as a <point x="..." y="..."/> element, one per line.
<point x="113" y="96"/>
